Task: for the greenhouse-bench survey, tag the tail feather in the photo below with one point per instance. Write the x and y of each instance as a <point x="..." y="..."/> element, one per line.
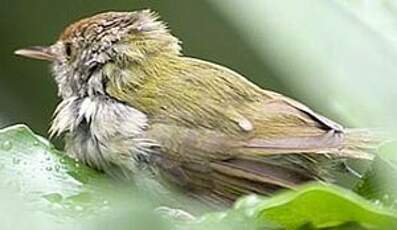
<point x="236" y="177"/>
<point x="261" y="171"/>
<point x="362" y="143"/>
<point x="266" y="174"/>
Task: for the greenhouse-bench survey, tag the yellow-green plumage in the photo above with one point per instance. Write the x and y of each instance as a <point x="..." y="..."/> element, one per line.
<point x="206" y="117"/>
<point x="128" y="93"/>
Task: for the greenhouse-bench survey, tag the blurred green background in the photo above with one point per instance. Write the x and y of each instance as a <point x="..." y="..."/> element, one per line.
<point x="337" y="56"/>
<point x="27" y="90"/>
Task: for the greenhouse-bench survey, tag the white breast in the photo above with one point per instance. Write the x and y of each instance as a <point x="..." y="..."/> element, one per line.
<point x="102" y="132"/>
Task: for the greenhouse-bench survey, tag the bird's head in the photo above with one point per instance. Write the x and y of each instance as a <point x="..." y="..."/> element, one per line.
<point x="85" y="47"/>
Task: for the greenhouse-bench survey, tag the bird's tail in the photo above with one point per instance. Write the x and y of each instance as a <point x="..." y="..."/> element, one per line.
<point x="363" y="143"/>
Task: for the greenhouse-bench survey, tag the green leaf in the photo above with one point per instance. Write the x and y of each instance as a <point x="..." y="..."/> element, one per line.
<point x="313" y="206"/>
<point x="67" y="190"/>
<point x="68" y="193"/>
<point x="41" y="174"/>
<point x="380" y="182"/>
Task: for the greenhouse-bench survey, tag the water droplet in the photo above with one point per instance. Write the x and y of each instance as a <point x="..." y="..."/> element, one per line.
<point x="245" y="125"/>
<point x="62" y="161"/>
<point x="36" y="143"/>
<point x="16" y="160"/>
<point x="13" y="185"/>
<point x="377" y="202"/>
<point x="57" y="168"/>
<point x="48" y="168"/>
<point x="77" y="165"/>
<point x="78" y="208"/>
<point x="7" y="145"/>
<point x="54" y="197"/>
<point x="105" y="205"/>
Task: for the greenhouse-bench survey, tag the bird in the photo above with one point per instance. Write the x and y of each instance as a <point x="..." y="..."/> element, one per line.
<point x="133" y="106"/>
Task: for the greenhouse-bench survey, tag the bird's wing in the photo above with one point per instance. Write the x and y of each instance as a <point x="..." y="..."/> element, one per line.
<point x="287" y="126"/>
<point x="218" y="168"/>
<point x="222" y="136"/>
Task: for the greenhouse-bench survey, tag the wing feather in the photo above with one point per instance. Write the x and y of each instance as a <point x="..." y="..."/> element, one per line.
<point x="221" y="136"/>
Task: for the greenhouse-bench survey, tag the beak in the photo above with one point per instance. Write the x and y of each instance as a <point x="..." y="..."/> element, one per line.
<point x="37" y="52"/>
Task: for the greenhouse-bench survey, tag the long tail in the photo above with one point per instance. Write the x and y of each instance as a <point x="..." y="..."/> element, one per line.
<point x="267" y="174"/>
<point x="363" y="143"/>
<point x="268" y="167"/>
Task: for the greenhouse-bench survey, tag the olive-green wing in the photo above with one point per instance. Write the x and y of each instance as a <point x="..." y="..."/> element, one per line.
<point x="220" y="136"/>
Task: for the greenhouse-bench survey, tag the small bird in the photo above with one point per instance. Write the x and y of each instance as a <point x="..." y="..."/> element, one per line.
<point x="132" y="106"/>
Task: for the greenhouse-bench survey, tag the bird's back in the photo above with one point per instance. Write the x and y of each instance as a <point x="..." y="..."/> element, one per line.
<point x="221" y="136"/>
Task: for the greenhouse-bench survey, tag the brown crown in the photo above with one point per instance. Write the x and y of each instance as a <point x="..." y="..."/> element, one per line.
<point x="98" y="24"/>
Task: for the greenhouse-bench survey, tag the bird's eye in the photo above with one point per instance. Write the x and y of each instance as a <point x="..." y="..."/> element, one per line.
<point x="69" y="49"/>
